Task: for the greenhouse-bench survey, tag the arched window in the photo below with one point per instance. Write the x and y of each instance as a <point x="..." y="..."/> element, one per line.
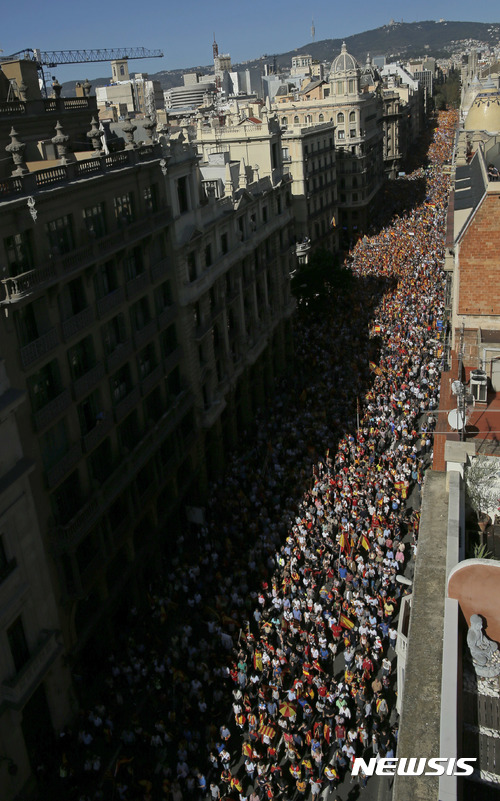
<point x="296" y="120"/>
<point x="352" y="116"/>
<point x="284" y="121"/>
<point x="309" y="119"/>
<point x="340" y="117"/>
<point x="321" y="118"/>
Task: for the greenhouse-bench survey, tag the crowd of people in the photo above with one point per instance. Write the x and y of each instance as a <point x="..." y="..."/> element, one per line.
<point x="267" y="660"/>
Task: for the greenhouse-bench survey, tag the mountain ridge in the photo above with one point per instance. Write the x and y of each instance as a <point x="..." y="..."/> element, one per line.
<point x="397" y="40"/>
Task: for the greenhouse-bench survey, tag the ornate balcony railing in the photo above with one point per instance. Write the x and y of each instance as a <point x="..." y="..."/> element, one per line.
<point x="39" y="347"/>
<point x="48" y="413"/>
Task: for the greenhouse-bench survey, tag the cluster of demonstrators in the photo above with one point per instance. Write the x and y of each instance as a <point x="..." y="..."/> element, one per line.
<point x="265" y="664"/>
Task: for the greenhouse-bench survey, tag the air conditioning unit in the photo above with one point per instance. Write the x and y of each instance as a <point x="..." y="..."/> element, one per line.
<point x="479" y="385"/>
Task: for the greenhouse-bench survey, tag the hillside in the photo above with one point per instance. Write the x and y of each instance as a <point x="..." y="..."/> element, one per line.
<point x="400" y="40"/>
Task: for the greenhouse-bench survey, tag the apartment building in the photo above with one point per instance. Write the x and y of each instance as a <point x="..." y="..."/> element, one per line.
<point x="357" y="116"/>
<point x="143" y="322"/>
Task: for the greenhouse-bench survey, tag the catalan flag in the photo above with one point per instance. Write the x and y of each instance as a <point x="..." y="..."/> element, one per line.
<point x="345" y="622"/>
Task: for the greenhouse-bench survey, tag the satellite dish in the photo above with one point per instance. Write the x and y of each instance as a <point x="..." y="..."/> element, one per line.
<point x="457" y="387"/>
<point x="456" y="419"/>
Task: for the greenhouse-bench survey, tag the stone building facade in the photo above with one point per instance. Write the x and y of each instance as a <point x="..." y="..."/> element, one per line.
<point x="357" y="115"/>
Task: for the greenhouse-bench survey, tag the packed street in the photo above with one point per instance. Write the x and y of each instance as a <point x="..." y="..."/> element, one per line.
<point x="264" y="661"/>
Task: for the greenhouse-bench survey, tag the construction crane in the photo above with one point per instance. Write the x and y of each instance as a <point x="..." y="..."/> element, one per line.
<point x="53" y="58"/>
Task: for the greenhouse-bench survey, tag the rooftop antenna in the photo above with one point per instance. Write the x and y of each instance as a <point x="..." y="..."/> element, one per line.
<point x="313" y="30"/>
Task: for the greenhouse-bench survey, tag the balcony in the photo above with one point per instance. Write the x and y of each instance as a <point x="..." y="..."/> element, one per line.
<point x="172" y="360"/>
<point x="17" y="691"/>
<point x="110" y="301"/>
<point x="78" y="258"/>
<point x="167" y="316"/>
<point x="78" y="322"/>
<point x="86" y="382"/>
<point x="150" y="381"/>
<point x="64" y="465"/>
<point x="93" y="437"/>
<point x="52" y="410"/>
<point x="159" y="270"/>
<point x="145" y="334"/>
<point x="128" y="403"/>
<point x="137" y="285"/>
<point x="39" y="347"/>
<point x="110" y="243"/>
<point x="119" y="355"/>
<point x="23" y="285"/>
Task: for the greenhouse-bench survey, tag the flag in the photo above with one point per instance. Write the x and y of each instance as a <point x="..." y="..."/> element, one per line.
<point x="365" y="542"/>
<point x="345" y="622"/>
<point x="122" y="761"/>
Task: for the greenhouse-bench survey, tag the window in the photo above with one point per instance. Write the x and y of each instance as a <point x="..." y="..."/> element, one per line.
<point x="133" y="264"/>
<point x="352" y="117"/>
<point x="340" y="87"/>
<point x="169" y="341"/>
<point x="284" y="121"/>
<point x="191" y="266"/>
<point x="67" y="499"/>
<point x="352" y="86"/>
<point x="121" y="383"/>
<point x="296" y="120"/>
<point x="60" y="235"/>
<point x="208" y="255"/>
<point x="163" y="296"/>
<point x="124" y="209"/>
<point x="150" y="195"/>
<point x="285" y="154"/>
<point x="224" y="244"/>
<point x="6" y="565"/>
<point x="100" y="464"/>
<point x="95" y="220"/>
<point x="352" y="133"/>
<point x="340" y="134"/>
<point x="140" y="314"/>
<point x="45" y="385"/>
<point x="354" y="197"/>
<point x="54" y="444"/>
<point x="105" y="279"/>
<point x="81" y="358"/>
<point x="18" y="645"/>
<point x="146" y="360"/>
<point x="321" y="118"/>
<point x="182" y="194"/>
<point x="264" y="214"/>
<point x="19" y="252"/>
<point x="113" y="334"/>
<point x="340" y="117"/>
<point x="73" y="299"/>
<point x="90" y="412"/>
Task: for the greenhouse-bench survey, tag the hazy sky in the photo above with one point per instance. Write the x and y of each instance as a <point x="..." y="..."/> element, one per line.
<point x="184" y="30"/>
